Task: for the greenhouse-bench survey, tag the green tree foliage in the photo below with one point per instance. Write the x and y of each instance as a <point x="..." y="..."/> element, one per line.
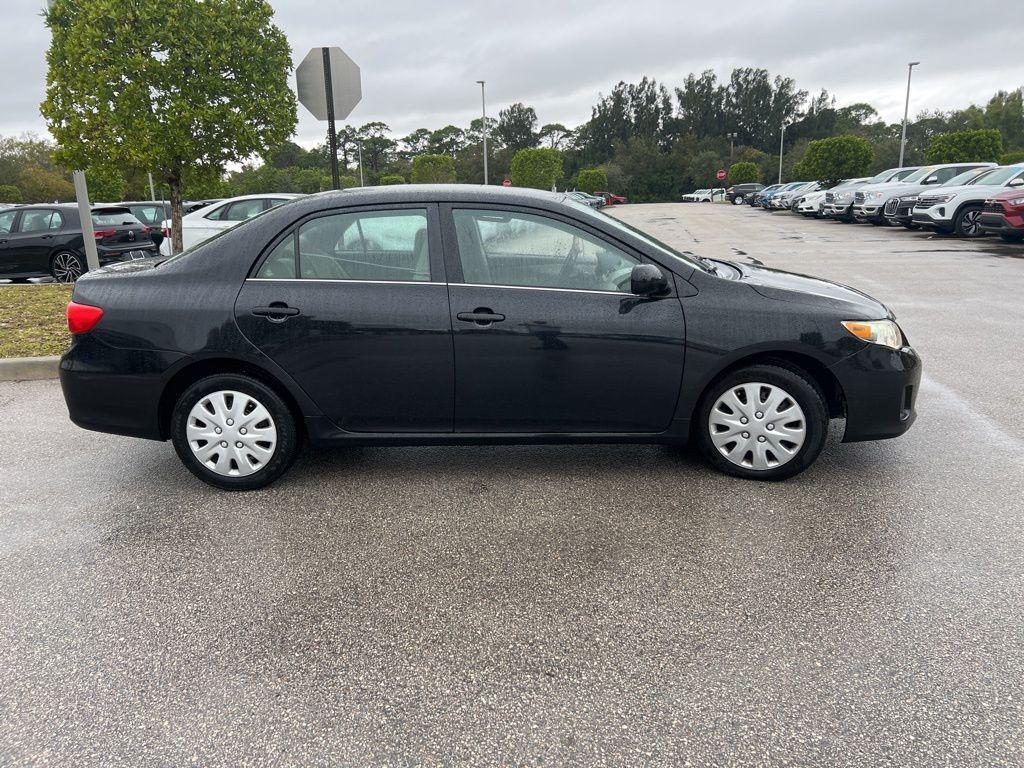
<point x="165" y="85"/>
<point x="702" y="169"/>
<point x="555" y="135"/>
<point x="537" y="167"/>
<point x="834" y="159"/>
<point x="446" y="141"/>
<point x="41" y="185"/>
<point x="266" y="178"/>
<point x="105" y="184"/>
<point x="592" y="180"/>
<point x="517" y="127"/>
<point x="1012" y="158"/>
<point x="416" y="143"/>
<point x="347" y="182"/>
<point x="744" y="173"/>
<point x="10" y="194"/>
<point x="390" y="179"/>
<point x="433" y="169"/>
<point x="983" y="145"/>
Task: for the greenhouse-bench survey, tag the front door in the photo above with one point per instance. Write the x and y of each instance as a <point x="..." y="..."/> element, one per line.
<point x="10" y="262"/>
<point x="353" y="305"/>
<point x="548" y="338"/>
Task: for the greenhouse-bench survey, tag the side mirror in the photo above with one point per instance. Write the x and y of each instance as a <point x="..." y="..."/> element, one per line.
<point x="931" y="180"/>
<point x="647" y="280"/>
<point x="1018" y="182"/>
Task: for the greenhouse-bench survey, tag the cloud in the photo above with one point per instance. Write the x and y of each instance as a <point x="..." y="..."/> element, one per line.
<point x="420" y="60"/>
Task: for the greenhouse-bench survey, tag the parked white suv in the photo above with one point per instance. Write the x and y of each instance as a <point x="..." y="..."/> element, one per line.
<point x="869" y="201"/>
<point x="957" y="209"/>
<point x="813" y="203"/>
<point x="206" y="222"/>
<point x="704" y="196"/>
<point x="839" y="202"/>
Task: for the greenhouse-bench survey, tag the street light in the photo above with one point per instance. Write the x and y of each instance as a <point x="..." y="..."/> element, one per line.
<point x="483" y="107"/>
<point x="731" y="137"/>
<point x="906" y="110"/>
<point x="782" y="140"/>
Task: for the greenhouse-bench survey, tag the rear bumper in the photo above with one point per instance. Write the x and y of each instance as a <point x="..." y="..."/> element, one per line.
<point x="880" y="386"/>
<point x="114" y="255"/>
<point x="108" y="389"/>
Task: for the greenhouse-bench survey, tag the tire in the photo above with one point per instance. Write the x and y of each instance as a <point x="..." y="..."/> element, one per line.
<point x="67" y="266"/>
<point x="965" y="223"/>
<point x="1009" y="238"/>
<point x="791" y="458"/>
<point x="219" y="396"/>
<point x="738" y="200"/>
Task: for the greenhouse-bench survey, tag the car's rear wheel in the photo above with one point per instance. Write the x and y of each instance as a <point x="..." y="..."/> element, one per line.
<point x="738" y="200"/>
<point x="66" y="266"/>
<point x="966" y="222"/>
<point x="234" y="432"/>
<point x="763" y="422"/>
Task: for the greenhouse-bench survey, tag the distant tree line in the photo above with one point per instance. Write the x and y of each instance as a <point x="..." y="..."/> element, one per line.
<point x="643" y="139"/>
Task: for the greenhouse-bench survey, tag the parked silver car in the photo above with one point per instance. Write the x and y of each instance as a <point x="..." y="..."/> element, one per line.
<point x="839" y="202"/>
<point x="869" y="201"/>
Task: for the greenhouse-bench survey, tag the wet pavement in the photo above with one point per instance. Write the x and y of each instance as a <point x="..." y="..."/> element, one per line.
<point x="546" y="605"/>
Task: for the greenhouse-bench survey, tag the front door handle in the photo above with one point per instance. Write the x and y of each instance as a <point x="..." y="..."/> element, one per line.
<point x="481" y="316"/>
<point x="277" y="312"/>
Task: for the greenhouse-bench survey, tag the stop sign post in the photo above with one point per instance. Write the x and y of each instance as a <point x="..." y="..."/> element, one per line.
<point x="329" y="86"/>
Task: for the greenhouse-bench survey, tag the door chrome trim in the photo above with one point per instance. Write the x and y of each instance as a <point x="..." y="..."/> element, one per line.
<point x="329" y="280"/>
<point x="539" y="288"/>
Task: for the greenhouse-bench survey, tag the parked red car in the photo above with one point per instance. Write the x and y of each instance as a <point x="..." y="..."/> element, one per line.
<point x="610" y="199"/>
<point x="1003" y="215"/>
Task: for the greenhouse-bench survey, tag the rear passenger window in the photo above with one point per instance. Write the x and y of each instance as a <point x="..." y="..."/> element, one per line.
<point x="378" y="245"/>
<point x="280" y="264"/>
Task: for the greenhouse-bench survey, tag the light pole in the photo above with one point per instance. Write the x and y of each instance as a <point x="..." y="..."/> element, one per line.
<point x="782" y="141"/>
<point x="483" y="106"/>
<point x="906" y="110"/>
<point x="731" y="137"/>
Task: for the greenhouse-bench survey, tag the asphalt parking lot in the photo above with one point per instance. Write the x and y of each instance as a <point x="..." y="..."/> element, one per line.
<point x="547" y="605"/>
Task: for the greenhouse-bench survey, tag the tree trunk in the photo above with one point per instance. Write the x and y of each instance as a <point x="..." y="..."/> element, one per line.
<point x="174" y="181"/>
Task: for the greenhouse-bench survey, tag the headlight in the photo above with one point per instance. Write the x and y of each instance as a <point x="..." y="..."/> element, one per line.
<point x="842" y="197"/>
<point x="874" y="195"/>
<point x="936" y="199"/>
<point x="884" y="332"/>
<point x="1018" y="201"/>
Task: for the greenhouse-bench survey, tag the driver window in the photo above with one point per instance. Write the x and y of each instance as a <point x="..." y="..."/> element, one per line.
<point x="520" y="249"/>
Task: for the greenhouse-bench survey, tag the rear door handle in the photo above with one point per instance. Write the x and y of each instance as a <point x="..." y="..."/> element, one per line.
<point x="480" y="316"/>
<point x="276" y="312"/>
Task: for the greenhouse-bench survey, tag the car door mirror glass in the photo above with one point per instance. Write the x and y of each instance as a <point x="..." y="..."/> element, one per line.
<point x="647" y="280"/>
<point x="1018" y="182"/>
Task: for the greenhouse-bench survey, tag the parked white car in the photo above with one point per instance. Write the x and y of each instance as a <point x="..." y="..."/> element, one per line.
<point x="206" y="222"/>
<point x="869" y="201"/>
<point x="704" y="196"/>
<point x="957" y="209"/>
<point x="813" y="203"/>
<point x="839" y="202"/>
<point x="786" y="197"/>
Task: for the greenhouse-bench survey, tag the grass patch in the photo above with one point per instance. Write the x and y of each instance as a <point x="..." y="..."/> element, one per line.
<point x="32" y="320"/>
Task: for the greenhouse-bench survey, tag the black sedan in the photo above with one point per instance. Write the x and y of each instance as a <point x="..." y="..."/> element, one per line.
<point x="456" y="314"/>
<point x="47" y="240"/>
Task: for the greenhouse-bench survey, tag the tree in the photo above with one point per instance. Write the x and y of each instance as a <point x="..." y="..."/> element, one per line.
<point x="834" y="159"/>
<point x="389" y="179"/>
<point x="161" y="85"/>
<point x="347" y="182"/>
<point x="105" y="184"/>
<point x="1012" y="158"/>
<point x="446" y="141"/>
<point x="433" y="169"/>
<point x="592" y="180"/>
<point x="10" y="194"/>
<point x="744" y="173"/>
<point x="377" y="145"/>
<point x="555" y="135"/>
<point x="40" y="185"/>
<point x="539" y="168"/>
<point x="983" y="145"/>
<point x="517" y="127"/>
<point x="416" y="143"/>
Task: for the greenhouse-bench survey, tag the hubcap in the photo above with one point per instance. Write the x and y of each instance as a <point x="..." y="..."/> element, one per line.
<point x="231" y="433"/>
<point x="757" y="426"/>
<point x="66" y="268"/>
<point x="971" y="226"/>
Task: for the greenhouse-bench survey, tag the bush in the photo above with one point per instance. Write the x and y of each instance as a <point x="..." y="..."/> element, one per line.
<point x="983" y="145"/>
<point x="834" y="159"/>
<point x="591" y="180"/>
<point x="389" y="179"/>
<point x="1012" y="158"/>
<point x="538" y="168"/>
<point x="10" y="194"/>
<point x="347" y="182"/>
<point x="433" y="169"/>
<point x="744" y="173"/>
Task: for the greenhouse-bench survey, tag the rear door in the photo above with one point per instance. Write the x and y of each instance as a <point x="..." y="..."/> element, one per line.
<point x="353" y="305"/>
<point x="36" y="238"/>
<point x="548" y="338"/>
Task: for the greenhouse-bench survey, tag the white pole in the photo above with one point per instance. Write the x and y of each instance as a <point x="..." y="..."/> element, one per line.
<point x="360" y="145"/>
<point x="483" y="105"/>
<point x="782" y="140"/>
<point x="152" y="190"/>
<point x="906" y="110"/>
<point x="92" y="258"/>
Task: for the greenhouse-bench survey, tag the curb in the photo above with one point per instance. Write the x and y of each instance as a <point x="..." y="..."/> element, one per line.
<point x="29" y="368"/>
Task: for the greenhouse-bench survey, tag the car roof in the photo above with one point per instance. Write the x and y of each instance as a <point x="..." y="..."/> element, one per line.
<point x="415" y="193"/>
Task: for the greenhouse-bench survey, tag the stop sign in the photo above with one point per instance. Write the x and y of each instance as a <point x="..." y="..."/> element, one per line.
<point x="507" y="183"/>
<point x="720" y="175"/>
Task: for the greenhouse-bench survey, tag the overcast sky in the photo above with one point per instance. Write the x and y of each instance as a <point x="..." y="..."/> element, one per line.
<point x="420" y="60"/>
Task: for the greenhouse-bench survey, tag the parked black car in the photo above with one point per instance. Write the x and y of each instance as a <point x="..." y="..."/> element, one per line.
<point x="459" y="314"/>
<point x="738" y="193"/>
<point x="41" y="240"/>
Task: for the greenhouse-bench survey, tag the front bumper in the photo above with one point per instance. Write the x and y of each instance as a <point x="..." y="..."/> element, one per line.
<point x="837" y="210"/>
<point x="935" y="217"/>
<point x="1002" y="223"/>
<point x="868" y="211"/>
<point x="880" y="386"/>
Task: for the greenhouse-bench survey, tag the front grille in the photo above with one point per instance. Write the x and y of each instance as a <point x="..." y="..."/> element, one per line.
<point x="858" y="197"/>
<point x="928" y="202"/>
<point x="991" y="206"/>
<point x="891" y="206"/>
<point x="830" y="197"/>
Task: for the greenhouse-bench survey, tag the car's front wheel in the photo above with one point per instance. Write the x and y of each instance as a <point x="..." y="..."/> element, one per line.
<point x="763" y="422"/>
<point x="234" y="432"/>
<point x="966" y="222"/>
<point x="738" y="200"/>
<point x="66" y="266"/>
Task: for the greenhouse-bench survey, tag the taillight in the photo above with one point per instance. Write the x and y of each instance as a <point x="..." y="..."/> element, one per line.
<point x="145" y="230"/>
<point x="166" y="231"/>
<point x="82" y="318"/>
<point x="101" y="233"/>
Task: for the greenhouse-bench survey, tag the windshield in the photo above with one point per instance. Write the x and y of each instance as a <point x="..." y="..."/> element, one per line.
<point x="920" y="173"/>
<point x="112" y="217"/>
<point x="688" y="259"/>
<point x="967" y="177"/>
<point x="998" y="176"/>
